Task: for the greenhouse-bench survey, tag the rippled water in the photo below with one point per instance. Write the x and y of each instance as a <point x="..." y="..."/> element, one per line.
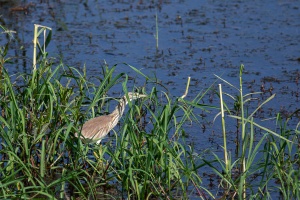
<point x="195" y="38"/>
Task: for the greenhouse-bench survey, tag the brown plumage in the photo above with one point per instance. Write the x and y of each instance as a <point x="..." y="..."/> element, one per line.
<point x="98" y="127"/>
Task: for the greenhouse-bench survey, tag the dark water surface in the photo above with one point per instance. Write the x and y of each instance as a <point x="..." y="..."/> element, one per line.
<point x="196" y="38"/>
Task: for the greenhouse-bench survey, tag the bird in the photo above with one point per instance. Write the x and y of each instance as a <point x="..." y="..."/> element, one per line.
<point x="97" y="128"/>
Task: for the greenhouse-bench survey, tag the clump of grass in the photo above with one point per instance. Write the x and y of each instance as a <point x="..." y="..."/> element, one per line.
<point x="151" y="162"/>
<point x="263" y="160"/>
<point x="40" y="157"/>
<point x="38" y="120"/>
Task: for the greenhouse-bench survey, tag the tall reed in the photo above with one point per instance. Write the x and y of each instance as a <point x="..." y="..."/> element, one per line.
<point x="255" y="158"/>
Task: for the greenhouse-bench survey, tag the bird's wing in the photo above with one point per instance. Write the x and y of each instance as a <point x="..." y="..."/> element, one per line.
<point x="96" y="128"/>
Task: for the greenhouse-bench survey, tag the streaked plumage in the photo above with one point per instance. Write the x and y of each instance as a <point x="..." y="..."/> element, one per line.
<point x="98" y="127"/>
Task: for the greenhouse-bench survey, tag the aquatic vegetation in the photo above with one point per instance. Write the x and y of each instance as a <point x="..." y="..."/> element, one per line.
<point x="147" y="156"/>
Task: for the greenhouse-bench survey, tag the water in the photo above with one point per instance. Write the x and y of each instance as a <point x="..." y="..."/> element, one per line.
<point x="195" y="38"/>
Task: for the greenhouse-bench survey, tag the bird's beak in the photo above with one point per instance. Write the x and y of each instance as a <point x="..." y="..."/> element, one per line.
<point x="141" y="95"/>
<point x="137" y="96"/>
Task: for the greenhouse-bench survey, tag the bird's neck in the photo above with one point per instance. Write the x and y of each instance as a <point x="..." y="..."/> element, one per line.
<point x="119" y="110"/>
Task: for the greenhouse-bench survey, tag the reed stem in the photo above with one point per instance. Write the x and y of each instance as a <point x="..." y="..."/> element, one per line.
<point x="224" y="130"/>
<point x="243" y="123"/>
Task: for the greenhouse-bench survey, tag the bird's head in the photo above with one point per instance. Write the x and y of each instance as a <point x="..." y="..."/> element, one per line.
<point x="134" y="95"/>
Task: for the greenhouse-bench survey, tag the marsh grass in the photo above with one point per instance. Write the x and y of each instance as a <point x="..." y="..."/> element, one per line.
<point x="154" y="163"/>
<point x="38" y="120"/>
<point x="261" y="159"/>
<point x="40" y="157"/>
<point x="147" y="156"/>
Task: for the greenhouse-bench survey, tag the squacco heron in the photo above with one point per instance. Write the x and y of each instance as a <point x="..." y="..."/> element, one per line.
<point x="97" y="128"/>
